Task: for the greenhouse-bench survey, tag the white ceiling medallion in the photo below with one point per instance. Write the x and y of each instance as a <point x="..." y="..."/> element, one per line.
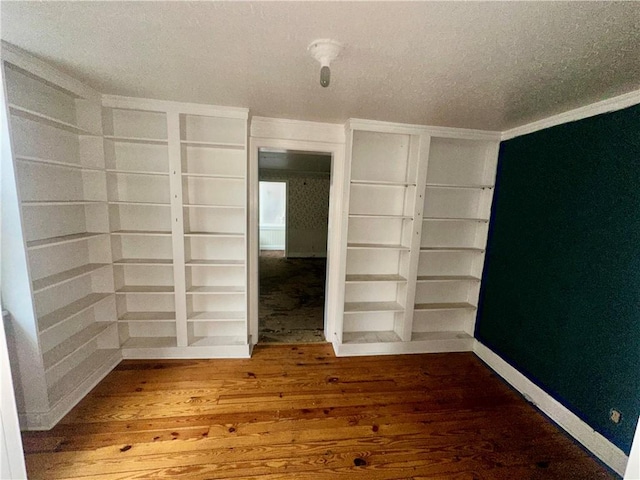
<point x="325" y="51"/>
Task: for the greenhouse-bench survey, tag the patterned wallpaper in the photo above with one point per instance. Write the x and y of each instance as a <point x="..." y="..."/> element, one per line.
<point x="308" y="199"/>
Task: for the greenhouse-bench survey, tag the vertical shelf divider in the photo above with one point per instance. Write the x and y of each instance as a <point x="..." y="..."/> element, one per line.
<point x="177" y="226"/>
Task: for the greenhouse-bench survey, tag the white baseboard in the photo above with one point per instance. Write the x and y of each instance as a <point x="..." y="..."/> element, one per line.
<point x="574" y="426"/>
<point x="48" y="420"/>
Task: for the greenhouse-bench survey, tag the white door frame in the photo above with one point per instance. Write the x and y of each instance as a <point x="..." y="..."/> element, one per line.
<point x="334" y="236"/>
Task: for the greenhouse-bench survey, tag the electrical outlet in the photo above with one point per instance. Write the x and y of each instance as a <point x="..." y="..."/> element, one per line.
<point x="615" y="416"/>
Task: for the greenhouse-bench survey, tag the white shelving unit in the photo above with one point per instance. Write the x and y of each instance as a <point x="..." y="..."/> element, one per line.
<point x="214" y="164"/>
<point x="457" y="207"/>
<point x="61" y="184"/>
<point x="138" y="187"/>
<point x="386" y="178"/>
<point x="419" y="207"/>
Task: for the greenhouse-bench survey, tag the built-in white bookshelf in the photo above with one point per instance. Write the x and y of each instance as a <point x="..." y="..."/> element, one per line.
<point x="213" y="164"/>
<point x="385" y="175"/>
<point x="61" y="180"/>
<point x="457" y="207"/>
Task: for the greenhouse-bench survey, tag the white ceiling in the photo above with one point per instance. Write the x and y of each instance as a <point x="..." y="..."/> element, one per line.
<point x="470" y="64"/>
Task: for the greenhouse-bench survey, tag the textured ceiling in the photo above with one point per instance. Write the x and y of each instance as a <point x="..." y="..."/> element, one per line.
<point x="470" y="64"/>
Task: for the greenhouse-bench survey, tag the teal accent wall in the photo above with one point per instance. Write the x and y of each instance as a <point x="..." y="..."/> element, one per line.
<point x="560" y="298"/>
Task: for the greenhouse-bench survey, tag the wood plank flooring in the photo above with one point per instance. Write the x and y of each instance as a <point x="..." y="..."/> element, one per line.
<point x="298" y="412"/>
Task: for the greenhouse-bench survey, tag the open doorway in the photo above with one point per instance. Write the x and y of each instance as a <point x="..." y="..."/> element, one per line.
<point x="293" y="224"/>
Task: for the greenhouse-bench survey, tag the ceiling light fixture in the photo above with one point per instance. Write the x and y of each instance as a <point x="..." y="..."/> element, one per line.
<point x="325" y="51"/>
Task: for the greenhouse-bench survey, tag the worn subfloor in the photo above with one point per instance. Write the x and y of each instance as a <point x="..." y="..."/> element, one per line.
<point x="291" y="304"/>
<point x="298" y="412"/>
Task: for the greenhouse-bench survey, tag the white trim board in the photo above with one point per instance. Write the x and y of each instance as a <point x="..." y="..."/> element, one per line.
<point x="591" y="110"/>
<point x="567" y="420"/>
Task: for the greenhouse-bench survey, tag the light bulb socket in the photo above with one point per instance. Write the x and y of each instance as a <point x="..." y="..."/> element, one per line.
<point x="325" y="75"/>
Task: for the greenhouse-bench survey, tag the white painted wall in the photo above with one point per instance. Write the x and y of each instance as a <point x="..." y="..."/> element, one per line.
<point x="633" y="465"/>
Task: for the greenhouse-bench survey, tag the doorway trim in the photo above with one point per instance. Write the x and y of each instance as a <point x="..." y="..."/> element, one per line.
<point x="308" y="137"/>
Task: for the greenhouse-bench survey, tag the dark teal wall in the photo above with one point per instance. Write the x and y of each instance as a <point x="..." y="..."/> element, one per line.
<point x="560" y="299"/>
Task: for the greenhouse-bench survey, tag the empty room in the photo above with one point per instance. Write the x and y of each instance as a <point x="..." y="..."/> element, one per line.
<point x="319" y="240"/>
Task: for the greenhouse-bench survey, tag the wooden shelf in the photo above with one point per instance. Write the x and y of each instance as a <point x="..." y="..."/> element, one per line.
<point x="136" y="172"/>
<point x="444" y="306"/>
<point x="452" y="249"/>
<point x="194" y="205"/>
<point x="140" y="204"/>
<point x="143" y="261"/>
<point x="370" y="337"/>
<point x="217" y="316"/>
<point x="194" y="143"/>
<point x="213" y="234"/>
<point x="217" y="341"/>
<point x="60" y="203"/>
<point x="371" y="307"/>
<point x="215" y="263"/>
<point x="71" y="310"/>
<point x="214" y="175"/>
<point x="57" y="163"/>
<point x="148" y="317"/>
<point x="152" y="233"/>
<point x="47" y="120"/>
<point x="66" y="276"/>
<point x="439" y="336"/>
<point x="145" y="289"/>
<point x="382" y="183"/>
<point x="79" y="374"/>
<point x="376" y="246"/>
<point x="372" y="215"/>
<point x="73" y="343"/>
<point x="447" y="278"/>
<point x="374" y="278"/>
<point x="456" y="219"/>
<point x="195" y="290"/>
<point x="149" y="141"/>
<point x="150" y="342"/>
<point x="50" y="242"/>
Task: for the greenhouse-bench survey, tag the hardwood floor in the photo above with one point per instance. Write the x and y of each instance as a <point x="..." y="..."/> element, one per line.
<point x="298" y="412"/>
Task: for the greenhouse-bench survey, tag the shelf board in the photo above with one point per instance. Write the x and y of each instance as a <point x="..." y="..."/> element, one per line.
<point x="373" y="215"/>
<point x="447" y="278"/>
<point x="149" y="141"/>
<point x="370" y="307"/>
<point x="79" y="374"/>
<point x="213" y="234"/>
<point x="456" y="219"/>
<point x="374" y="278"/>
<point x="217" y="289"/>
<point x="47" y="120"/>
<point x="193" y="205"/>
<point x="376" y="246"/>
<point x="196" y="143"/>
<point x="60" y="203"/>
<point x="71" y="310"/>
<point x="458" y="185"/>
<point x="145" y="289"/>
<point x="153" y="233"/>
<point x="50" y="242"/>
<point x="136" y="172"/>
<point x="73" y="343"/>
<point x="214" y="175"/>
<point x="57" y="163"/>
<point x="215" y="263"/>
<point x="451" y="249"/>
<point x="430" y="336"/>
<point x="217" y="341"/>
<point x="141" y="204"/>
<point x="150" y="342"/>
<point x="148" y="317"/>
<point x="66" y="276"/>
<point x="383" y="183"/>
<point x="444" y="306"/>
<point x="370" y="337"/>
<point x="217" y="316"/>
<point x="143" y="261"/>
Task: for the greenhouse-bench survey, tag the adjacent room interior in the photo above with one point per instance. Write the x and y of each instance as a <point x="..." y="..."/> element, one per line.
<point x="275" y="240"/>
